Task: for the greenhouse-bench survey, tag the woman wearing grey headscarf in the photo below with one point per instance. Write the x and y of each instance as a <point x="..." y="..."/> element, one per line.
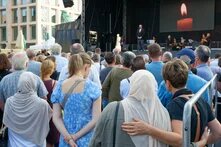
<point x="26" y="115"/>
<point x="143" y="103"/>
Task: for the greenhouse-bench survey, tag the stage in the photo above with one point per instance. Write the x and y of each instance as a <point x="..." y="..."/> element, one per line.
<point x="213" y="52"/>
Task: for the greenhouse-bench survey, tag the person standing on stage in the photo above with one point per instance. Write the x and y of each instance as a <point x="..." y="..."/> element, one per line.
<point x="140" y="35"/>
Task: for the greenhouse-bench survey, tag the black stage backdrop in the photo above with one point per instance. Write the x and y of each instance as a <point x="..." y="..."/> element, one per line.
<point x="105" y="17"/>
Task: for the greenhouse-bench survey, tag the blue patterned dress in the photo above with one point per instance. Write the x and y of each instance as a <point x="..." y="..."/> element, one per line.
<point x="77" y="111"/>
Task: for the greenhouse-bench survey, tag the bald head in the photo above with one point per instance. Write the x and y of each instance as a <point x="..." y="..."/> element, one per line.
<point x="76" y="48"/>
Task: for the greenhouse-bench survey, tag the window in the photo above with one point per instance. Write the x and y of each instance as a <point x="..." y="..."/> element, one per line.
<point x="32" y="1"/>
<point x="24" y="14"/>
<point x="29" y="44"/>
<point x="3" y="3"/>
<point x="3" y="16"/>
<point x="15" y="15"/>
<point x="23" y="2"/>
<point x="53" y="16"/>
<point x="53" y="31"/>
<point x="15" y="33"/>
<point x="15" y="2"/>
<point x="33" y="32"/>
<point x="33" y="13"/>
<point x="3" y="34"/>
<point x="24" y="31"/>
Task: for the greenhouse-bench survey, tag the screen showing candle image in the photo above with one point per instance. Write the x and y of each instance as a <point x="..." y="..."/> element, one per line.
<point x="186" y="15"/>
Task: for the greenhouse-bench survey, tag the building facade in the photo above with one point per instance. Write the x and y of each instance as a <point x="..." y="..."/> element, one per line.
<point x="36" y="19"/>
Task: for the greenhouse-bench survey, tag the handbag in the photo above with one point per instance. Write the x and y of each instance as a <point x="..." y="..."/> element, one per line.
<point x="3" y="136"/>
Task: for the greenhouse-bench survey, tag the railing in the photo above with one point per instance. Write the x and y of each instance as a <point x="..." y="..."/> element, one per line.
<point x="188" y="110"/>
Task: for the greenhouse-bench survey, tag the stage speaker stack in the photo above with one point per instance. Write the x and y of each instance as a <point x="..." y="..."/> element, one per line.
<point x="68" y="3"/>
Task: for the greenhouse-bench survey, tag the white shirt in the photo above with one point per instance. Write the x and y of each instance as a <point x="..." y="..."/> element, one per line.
<point x="93" y="75"/>
<point x="60" y="62"/>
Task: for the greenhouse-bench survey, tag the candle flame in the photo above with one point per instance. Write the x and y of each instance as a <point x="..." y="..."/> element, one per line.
<point x="183" y="9"/>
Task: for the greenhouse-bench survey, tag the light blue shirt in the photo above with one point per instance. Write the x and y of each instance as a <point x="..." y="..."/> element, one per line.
<point x="60" y="62"/>
<point x="155" y="68"/>
<point x="204" y="71"/>
<point x="8" y="85"/>
<point x="34" y="67"/>
<point x="194" y="83"/>
<point x="93" y="75"/>
<point x="214" y="67"/>
<point x="124" y="88"/>
<point x="214" y="62"/>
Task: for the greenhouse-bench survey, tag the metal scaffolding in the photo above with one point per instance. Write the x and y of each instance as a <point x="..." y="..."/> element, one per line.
<point x="124" y="19"/>
<point x="83" y="24"/>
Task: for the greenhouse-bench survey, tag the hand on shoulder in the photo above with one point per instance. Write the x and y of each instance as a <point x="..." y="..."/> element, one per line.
<point x="136" y="127"/>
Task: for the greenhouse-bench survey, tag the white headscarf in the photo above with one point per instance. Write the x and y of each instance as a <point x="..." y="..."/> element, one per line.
<point x="143" y="103"/>
<point x="25" y="113"/>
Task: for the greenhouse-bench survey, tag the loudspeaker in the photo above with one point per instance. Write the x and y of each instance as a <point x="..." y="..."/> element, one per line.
<point x="68" y="3"/>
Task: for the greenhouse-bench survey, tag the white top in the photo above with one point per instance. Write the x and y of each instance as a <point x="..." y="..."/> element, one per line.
<point x="93" y="75"/>
<point x="14" y="140"/>
<point x="99" y="67"/>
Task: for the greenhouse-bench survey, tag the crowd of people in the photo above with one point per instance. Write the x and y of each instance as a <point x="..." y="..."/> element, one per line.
<point x="82" y="99"/>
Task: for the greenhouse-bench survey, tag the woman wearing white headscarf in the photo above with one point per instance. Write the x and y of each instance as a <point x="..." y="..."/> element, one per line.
<point x="141" y="103"/>
<point x="26" y="115"/>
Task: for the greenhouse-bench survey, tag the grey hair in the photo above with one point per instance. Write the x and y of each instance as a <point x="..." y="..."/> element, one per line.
<point x="19" y="61"/>
<point x="76" y="48"/>
<point x="30" y="53"/>
<point x="146" y="58"/>
<point x="168" y="55"/>
<point x="56" y="49"/>
<point x="96" y="57"/>
<point x="185" y="59"/>
<point x="203" y="53"/>
<point x="127" y="59"/>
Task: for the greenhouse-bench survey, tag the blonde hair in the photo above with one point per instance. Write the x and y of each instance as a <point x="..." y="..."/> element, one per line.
<point x="77" y="61"/>
<point x="47" y="68"/>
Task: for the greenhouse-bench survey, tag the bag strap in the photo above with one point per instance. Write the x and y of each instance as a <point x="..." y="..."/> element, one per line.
<point x="115" y="123"/>
<point x="53" y="84"/>
<point x="197" y="136"/>
<point x="2" y="130"/>
<point x="69" y="92"/>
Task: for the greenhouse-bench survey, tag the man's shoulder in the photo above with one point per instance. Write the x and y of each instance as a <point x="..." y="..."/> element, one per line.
<point x="177" y="102"/>
<point x="64" y="59"/>
<point x="64" y="69"/>
<point x="61" y="58"/>
<point x="106" y="69"/>
<point x="196" y="78"/>
<point x="35" y="63"/>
